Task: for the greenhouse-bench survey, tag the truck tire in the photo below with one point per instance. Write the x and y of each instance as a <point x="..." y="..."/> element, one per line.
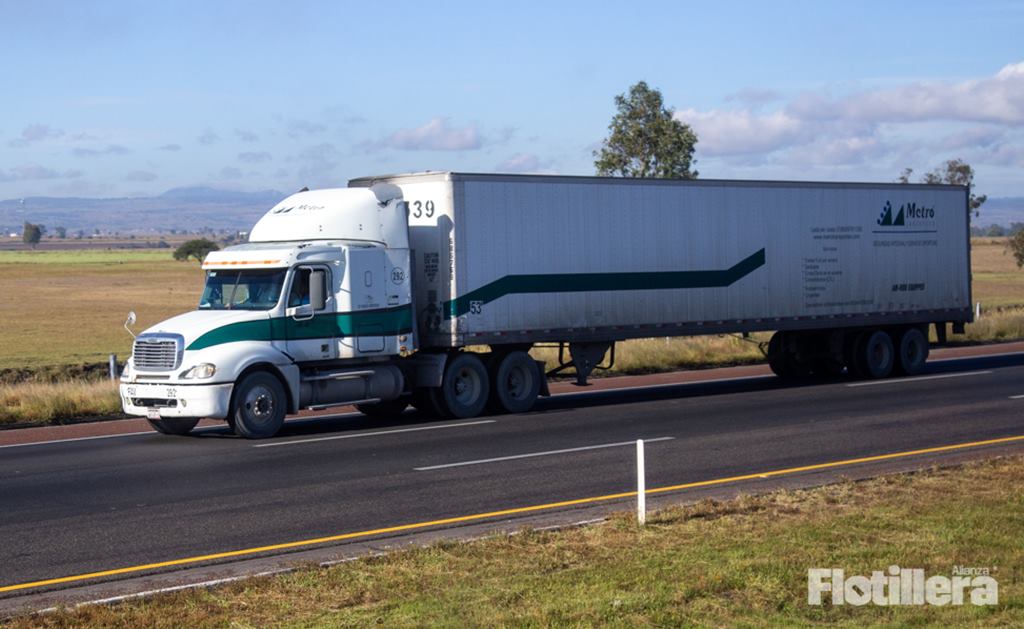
<point x="391" y="408"/>
<point x="783" y="361"/>
<point x="464" y="389"/>
<point x="259" y="406"/>
<point x="877" y="355"/>
<point x="174" y="425"/>
<point x="777" y="358"/>
<point x="515" y="383"/>
<point x="913" y="352"/>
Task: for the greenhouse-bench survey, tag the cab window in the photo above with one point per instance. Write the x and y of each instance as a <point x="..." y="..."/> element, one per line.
<point x="299" y="295"/>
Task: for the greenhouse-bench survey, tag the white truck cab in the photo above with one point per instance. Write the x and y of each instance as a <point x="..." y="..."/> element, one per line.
<point x="308" y="314"/>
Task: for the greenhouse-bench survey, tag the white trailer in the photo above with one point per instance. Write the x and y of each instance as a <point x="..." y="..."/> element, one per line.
<point x="408" y="271"/>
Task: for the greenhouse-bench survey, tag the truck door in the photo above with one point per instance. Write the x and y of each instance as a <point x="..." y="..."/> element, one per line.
<point x="310" y="328"/>
<point x="368" y="284"/>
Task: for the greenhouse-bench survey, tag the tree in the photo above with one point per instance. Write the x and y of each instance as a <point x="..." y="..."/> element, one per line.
<point x="1016" y="245"/>
<point x="645" y="140"/>
<point x="32" y="234"/>
<point x="197" y="249"/>
<point x="956" y="172"/>
<point x="62" y="232"/>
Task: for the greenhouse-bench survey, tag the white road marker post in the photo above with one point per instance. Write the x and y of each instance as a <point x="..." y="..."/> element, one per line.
<point x="641" y="484"/>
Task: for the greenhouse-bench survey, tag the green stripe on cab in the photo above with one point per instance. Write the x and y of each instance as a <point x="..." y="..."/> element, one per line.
<point x="384" y="322"/>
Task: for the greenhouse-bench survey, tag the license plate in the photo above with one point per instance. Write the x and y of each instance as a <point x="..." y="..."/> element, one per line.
<point x="153" y="413"/>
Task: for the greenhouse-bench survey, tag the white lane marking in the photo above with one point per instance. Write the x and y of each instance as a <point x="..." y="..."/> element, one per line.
<point x="200" y="431"/>
<point x="534" y="454"/>
<point x="1017" y="397"/>
<point x="919" y="378"/>
<point x="373" y="434"/>
<point x="39" y="443"/>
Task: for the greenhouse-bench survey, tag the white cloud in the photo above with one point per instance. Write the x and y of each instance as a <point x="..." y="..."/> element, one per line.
<point x="31" y="172"/>
<point x="436" y="135"/>
<point x="304" y="128"/>
<point x="140" y="175"/>
<point x="246" y="136"/>
<point x="524" y="163"/>
<point x="972" y="138"/>
<point x="170" y="147"/>
<point x="36" y="133"/>
<point x="208" y="137"/>
<point x="731" y="132"/>
<point x="254" y="157"/>
<point x="995" y="99"/>
<point x="110" y="149"/>
<point x="318" y="165"/>
<point x="816" y="128"/>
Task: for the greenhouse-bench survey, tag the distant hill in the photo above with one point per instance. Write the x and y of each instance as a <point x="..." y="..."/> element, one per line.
<point x="189" y="208"/>
<point x="1001" y="211"/>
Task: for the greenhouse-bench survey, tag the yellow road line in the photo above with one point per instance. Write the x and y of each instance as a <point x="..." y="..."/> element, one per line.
<point x="503" y="512"/>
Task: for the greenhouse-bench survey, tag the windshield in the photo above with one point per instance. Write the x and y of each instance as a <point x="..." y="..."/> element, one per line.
<point x="242" y="290"/>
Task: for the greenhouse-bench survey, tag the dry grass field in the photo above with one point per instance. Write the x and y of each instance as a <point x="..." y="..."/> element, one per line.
<point x="68" y="306"/>
<point x="997" y="280"/>
<point x="64" y="307"/>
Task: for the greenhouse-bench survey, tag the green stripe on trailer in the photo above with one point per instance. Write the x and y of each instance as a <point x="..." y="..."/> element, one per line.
<point x="385" y="322"/>
<point x="583" y="282"/>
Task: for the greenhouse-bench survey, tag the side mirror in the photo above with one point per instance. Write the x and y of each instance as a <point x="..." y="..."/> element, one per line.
<point x="130" y="321"/>
<point x="318" y="289"/>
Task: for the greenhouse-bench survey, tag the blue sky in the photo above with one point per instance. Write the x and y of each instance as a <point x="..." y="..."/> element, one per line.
<point x="134" y="98"/>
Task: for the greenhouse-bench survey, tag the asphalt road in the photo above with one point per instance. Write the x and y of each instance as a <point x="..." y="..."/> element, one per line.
<point x="76" y="507"/>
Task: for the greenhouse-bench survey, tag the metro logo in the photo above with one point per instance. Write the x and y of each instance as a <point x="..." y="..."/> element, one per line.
<point x="886" y="219"/>
<point x="911" y="210"/>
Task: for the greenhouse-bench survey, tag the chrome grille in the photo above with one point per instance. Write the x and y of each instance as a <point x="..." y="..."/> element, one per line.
<point x="159" y="353"/>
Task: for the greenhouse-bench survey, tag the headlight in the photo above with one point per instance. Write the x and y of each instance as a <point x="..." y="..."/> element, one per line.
<point x="201" y="371"/>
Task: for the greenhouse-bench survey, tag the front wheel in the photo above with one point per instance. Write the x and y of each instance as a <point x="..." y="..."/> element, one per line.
<point x="174" y="425"/>
<point x="259" y="406"/>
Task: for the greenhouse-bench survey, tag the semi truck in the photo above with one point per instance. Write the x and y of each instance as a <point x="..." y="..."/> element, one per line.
<point x="431" y="289"/>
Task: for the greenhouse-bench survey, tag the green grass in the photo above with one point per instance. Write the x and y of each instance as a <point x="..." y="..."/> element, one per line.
<point x="737" y="563"/>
